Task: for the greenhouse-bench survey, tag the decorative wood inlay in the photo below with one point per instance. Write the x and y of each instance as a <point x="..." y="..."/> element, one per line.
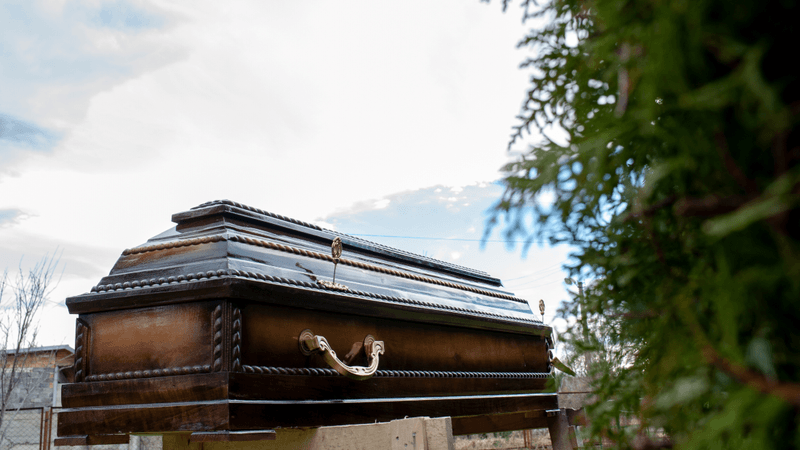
<point x="236" y="340"/>
<point x="216" y="323"/>
<point x="81" y="343"/>
<point x="186" y="370"/>
<point x="396" y="373"/>
<point x="211" y="275"/>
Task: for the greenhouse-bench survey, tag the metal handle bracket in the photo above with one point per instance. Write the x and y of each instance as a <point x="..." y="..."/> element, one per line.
<point x="311" y="343"/>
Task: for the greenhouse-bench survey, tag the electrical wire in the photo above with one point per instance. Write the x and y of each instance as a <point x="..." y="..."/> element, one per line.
<point x="544" y="277"/>
<point x="537" y="272"/>
<point x="546" y="272"/>
<point x="437" y="238"/>
<point x="542" y="285"/>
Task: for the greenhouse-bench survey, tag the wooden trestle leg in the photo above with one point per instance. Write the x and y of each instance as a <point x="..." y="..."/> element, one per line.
<point x="562" y="434"/>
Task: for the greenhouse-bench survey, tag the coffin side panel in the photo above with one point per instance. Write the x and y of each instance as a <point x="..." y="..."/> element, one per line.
<point x="177" y="338"/>
<point x="249" y="386"/>
<point x="270" y="338"/>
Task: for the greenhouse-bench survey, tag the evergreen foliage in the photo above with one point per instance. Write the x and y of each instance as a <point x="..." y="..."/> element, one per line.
<point x="678" y="182"/>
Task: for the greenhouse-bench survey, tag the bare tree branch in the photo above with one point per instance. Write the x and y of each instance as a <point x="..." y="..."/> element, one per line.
<point x="26" y="295"/>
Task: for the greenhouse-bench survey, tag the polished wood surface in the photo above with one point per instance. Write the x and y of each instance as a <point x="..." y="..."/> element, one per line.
<point x="150" y="338"/>
<point x="245" y="386"/>
<point x="250" y="386"/>
<point x="152" y="419"/>
<point x="270" y="338"/>
<point x="239" y="336"/>
<point x="175" y="389"/>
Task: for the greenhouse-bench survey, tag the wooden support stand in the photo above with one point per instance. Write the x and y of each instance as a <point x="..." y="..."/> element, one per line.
<point x="562" y="432"/>
<point x="418" y="433"/>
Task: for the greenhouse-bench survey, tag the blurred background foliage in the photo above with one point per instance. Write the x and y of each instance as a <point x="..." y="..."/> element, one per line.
<point x="665" y="133"/>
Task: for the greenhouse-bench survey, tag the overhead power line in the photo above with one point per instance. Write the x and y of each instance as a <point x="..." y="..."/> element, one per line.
<point x="438" y="238"/>
<point x="536" y="272"/>
<point x="543" y="277"/>
<point x="542" y="285"/>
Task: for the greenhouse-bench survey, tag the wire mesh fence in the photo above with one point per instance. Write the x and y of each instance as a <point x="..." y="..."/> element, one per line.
<point x="35" y="429"/>
<point x="135" y="442"/>
<point x="21" y="429"/>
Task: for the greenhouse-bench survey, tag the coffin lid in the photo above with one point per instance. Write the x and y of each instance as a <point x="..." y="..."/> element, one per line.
<point x="227" y="243"/>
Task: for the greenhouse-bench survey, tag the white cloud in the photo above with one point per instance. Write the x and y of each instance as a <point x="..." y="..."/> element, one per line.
<point x="58" y="55"/>
<point x="294" y="108"/>
<point x="324" y="224"/>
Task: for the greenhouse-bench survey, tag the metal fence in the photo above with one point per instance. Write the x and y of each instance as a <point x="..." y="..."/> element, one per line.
<point x="35" y="429"/>
<point x="22" y="429"/>
<point x="135" y="443"/>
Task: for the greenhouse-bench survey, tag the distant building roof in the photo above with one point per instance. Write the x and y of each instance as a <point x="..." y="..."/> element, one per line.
<point x="51" y="348"/>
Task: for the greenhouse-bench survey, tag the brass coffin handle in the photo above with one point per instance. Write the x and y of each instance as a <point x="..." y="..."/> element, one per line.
<point x="312" y="343"/>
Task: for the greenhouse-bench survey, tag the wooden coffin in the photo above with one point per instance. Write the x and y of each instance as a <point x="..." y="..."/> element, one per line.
<point x="231" y="320"/>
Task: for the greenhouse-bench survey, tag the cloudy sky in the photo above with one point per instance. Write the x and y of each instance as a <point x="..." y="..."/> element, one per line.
<point x="388" y="120"/>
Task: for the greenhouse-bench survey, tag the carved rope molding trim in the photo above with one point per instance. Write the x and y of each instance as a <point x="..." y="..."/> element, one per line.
<point x="210" y="275"/>
<point x="216" y="321"/>
<point x="315" y="255"/>
<point x="236" y="340"/>
<point x="186" y="370"/>
<point x="397" y="373"/>
<point x="153" y="282"/>
<point x="174" y="244"/>
<point x="81" y="332"/>
<point x="189" y="370"/>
